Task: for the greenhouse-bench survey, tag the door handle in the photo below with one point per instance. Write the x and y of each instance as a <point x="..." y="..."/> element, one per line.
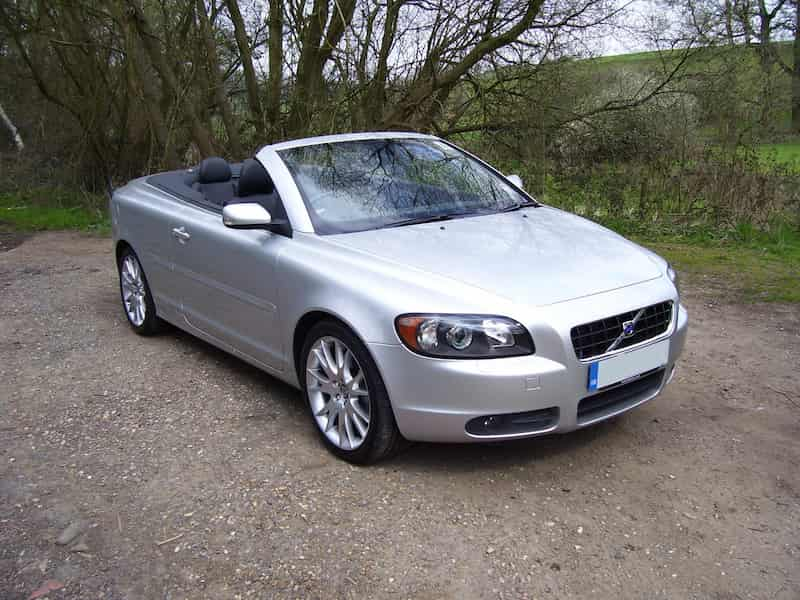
<point x="181" y="234"/>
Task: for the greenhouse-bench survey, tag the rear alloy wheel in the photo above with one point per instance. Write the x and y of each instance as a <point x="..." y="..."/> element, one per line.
<point x="346" y="396"/>
<point x="135" y="293"/>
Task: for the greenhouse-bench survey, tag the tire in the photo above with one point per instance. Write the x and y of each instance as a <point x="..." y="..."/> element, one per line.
<point x="328" y="411"/>
<point x="132" y="280"/>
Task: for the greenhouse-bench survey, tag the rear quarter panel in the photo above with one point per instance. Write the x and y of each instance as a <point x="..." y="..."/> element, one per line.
<point x="142" y="217"/>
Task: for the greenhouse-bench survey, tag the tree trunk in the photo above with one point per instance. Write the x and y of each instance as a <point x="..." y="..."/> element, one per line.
<point x="429" y="82"/>
<point x="375" y="98"/>
<point x="764" y="36"/>
<point x="318" y="40"/>
<point x="153" y="48"/>
<point x="217" y="85"/>
<point x="744" y="13"/>
<point x="729" y="21"/>
<point x="796" y="72"/>
<point x="275" y="67"/>
<point x="309" y="68"/>
<point x="12" y="130"/>
<point x="251" y="82"/>
<point x="142" y="87"/>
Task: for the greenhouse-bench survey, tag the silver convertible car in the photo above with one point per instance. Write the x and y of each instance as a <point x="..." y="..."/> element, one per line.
<point x="410" y="290"/>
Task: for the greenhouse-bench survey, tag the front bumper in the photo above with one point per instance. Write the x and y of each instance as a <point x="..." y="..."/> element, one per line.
<point x="434" y="400"/>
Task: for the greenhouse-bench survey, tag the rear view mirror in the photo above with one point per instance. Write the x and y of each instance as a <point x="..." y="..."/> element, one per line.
<point x="246" y="215"/>
<point x="516" y="180"/>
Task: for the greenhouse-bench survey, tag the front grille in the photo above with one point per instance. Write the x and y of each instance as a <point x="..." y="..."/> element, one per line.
<point x="619" y="397"/>
<point x="595" y="338"/>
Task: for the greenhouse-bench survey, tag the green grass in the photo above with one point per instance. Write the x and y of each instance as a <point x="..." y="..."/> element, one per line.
<point x="740" y="273"/>
<point x="44" y="209"/>
<point x="786" y="155"/>
<point x="749" y="264"/>
<point x="742" y="262"/>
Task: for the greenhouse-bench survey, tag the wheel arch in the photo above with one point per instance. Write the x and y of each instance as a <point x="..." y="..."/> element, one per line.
<point x="304" y="325"/>
<point x="120" y="247"/>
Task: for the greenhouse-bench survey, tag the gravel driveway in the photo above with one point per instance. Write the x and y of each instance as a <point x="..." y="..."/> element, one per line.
<point x="171" y="470"/>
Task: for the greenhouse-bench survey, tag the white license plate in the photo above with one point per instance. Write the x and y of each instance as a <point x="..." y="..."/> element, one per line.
<point x="628" y="364"/>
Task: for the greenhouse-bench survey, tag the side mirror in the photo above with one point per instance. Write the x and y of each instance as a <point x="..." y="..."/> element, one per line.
<point x="246" y="215"/>
<point x="516" y="180"/>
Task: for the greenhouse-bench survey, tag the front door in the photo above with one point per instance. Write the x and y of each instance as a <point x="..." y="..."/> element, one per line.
<point x="227" y="280"/>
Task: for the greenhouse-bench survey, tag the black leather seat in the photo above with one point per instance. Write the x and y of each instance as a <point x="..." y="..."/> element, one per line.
<point x="254" y="179"/>
<point x="255" y="185"/>
<point x="214" y="180"/>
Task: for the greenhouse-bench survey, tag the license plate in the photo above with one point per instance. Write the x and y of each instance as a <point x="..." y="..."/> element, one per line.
<point x="628" y="364"/>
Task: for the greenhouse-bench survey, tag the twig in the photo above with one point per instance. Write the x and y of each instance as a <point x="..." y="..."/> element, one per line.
<point x="784" y="394"/>
<point x="172" y="539"/>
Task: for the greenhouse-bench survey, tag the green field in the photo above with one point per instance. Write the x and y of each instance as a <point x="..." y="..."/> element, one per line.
<point x="656" y="56"/>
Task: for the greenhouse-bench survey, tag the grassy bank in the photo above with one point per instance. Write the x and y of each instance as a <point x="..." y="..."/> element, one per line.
<point x="784" y="155"/>
<point x="44" y="209"/>
<point x="752" y="265"/>
<point x="743" y="262"/>
<point x="734" y="273"/>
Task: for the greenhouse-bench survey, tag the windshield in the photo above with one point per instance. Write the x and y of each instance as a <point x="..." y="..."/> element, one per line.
<point x="369" y="184"/>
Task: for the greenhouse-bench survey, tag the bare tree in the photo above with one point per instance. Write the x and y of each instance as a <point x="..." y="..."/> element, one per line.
<point x="148" y="80"/>
<point x="150" y="42"/>
<point x="251" y="80"/>
<point x="763" y="24"/>
<point x="216" y="82"/>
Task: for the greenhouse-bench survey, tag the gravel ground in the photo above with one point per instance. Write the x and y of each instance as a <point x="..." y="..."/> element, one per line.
<point x="163" y="468"/>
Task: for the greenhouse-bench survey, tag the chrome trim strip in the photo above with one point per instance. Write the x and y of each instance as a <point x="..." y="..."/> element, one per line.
<point x="511" y="436"/>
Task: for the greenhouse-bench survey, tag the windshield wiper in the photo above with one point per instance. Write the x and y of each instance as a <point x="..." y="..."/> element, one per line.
<point x="519" y="205"/>
<point x="430" y="219"/>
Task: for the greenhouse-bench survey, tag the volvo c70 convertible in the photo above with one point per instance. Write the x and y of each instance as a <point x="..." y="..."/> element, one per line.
<point x="409" y="289"/>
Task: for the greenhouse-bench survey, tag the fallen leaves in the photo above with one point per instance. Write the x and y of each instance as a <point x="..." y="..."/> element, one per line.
<point x="44" y="589"/>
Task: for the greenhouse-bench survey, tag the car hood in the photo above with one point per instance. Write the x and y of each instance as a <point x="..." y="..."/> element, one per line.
<point x="536" y="256"/>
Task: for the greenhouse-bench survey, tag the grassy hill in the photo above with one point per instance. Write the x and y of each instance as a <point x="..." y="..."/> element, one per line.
<point x="657" y="56"/>
<point x="779" y="147"/>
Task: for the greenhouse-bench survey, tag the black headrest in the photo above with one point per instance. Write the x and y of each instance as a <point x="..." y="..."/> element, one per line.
<point x="254" y="179"/>
<point x="214" y="170"/>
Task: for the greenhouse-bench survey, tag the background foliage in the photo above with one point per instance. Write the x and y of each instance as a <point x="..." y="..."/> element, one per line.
<point x="698" y="139"/>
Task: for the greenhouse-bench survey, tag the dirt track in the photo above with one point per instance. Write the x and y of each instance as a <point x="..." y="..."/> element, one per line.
<point x="695" y="495"/>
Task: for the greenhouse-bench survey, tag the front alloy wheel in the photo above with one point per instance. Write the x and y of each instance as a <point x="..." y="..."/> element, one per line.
<point x="346" y="395"/>
<point x="338" y="393"/>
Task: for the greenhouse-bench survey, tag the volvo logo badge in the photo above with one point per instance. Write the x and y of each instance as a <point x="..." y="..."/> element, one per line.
<point x="628" y="328"/>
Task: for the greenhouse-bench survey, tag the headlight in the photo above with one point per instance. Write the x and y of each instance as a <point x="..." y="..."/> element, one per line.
<point x="673" y="277"/>
<point x="464" y="336"/>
